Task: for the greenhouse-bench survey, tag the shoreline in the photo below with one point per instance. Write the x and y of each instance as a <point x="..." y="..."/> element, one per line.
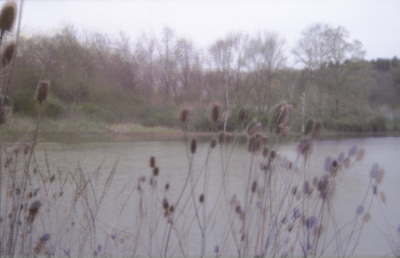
<point x="67" y="130"/>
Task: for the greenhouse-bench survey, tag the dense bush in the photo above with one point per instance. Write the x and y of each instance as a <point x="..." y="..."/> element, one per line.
<point x="160" y="117"/>
<point x="378" y="124"/>
<point x="95" y="112"/>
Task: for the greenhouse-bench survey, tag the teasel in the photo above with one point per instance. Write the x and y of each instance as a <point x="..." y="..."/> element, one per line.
<point x="379" y="176"/>
<point x="213" y="143"/>
<point x="193" y="146"/>
<point x="201" y="198"/>
<point x="7" y="17"/>
<point x="281" y="116"/>
<point x="184" y="116"/>
<point x="360" y="154"/>
<point x="309" y="126"/>
<point x="42" y="90"/>
<point x="316" y="129"/>
<point x="367" y="217"/>
<point x="383" y="197"/>
<point x="165" y="204"/>
<point x="215" y="113"/>
<point x="155" y="171"/>
<point x="8" y="54"/>
<point x="254" y="187"/>
<point x="243" y="114"/>
<point x="152" y="162"/>
<point x="33" y="211"/>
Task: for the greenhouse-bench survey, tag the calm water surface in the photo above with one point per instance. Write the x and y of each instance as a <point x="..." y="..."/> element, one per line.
<point x="171" y="158"/>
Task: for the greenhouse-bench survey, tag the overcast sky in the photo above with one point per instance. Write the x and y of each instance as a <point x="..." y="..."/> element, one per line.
<point x="376" y="23"/>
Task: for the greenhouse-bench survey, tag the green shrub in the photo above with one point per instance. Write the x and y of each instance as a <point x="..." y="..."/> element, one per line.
<point x="95" y="112"/>
<point x="378" y="124"/>
<point x="53" y="107"/>
<point x="347" y="123"/>
<point x="160" y="117"/>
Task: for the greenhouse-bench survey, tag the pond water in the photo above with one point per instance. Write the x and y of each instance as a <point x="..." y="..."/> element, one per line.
<point x="132" y="162"/>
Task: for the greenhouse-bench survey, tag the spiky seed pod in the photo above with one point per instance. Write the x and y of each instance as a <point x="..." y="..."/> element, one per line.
<point x="171" y="208"/>
<point x="184" y="115"/>
<point x="42" y="90"/>
<point x="383" y="197"/>
<point x="265" y="152"/>
<point x="165" y="204"/>
<point x="193" y="146"/>
<point x="166" y="186"/>
<point x="360" y="154"/>
<point x="201" y="199"/>
<point x="309" y="126"/>
<point x="334" y="168"/>
<point x="33" y="210"/>
<point x="215" y="112"/>
<point x="254" y="187"/>
<point x="273" y="154"/>
<point x="243" y="114"/>
<point x="7" y="16"/>
<point x="8" y="54"/>
<point x="281" y="116"/>
<point x="152" y="161"/>
<point x="155" y="171"/>
<point x="367" y="217"/>
<point x="379" y="176"/>
<point x="316" y="129"/>
<point x="213" y="143"/>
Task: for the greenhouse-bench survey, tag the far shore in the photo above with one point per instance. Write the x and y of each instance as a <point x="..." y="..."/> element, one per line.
<point x="73" y="130"/>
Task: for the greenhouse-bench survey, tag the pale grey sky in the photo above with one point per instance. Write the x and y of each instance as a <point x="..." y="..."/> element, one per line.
<point x="376" y="23"/>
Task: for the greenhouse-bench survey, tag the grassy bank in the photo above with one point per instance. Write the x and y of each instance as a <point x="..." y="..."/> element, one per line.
<point x="99" y="130"/>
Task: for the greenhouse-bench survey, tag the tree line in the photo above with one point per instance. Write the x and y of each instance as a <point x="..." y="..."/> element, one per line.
<point x="149" y="79"/>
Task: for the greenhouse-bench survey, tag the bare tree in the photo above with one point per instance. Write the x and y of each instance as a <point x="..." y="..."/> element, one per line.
<point x="321" y="46"/>
<point x="229" y="59"/>
<point x="266" y="57"/>
<point x="168" y="64"/>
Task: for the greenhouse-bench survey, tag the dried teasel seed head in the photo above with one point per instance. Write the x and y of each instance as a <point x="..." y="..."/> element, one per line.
<point x="201" y="198"/>
<point x="166" y="186"/>
<point x="33" y="210"/>
<point x="165" y="204"/>
<point x="184" y="116"/>
<point x="309" y="126"/>
<point x="383" y="197"/>
<point x="281" y="115"/>
<point x="193" y="146"/>
<point x="243" y="114"/>
<point x="8" y="54"/>
<point x="379" y="176"/>
<point x="155" y="171"/>
<point x="367" y="217"/>
<point x="316" y="129"/>
<point x="360" y="154"/>
<point x="273" y="154"/>
<point x="152" y="161"/>
<point x="213" y="143"/>
<point x="42" y="90"/>
<point x="7" y="16"/>
<point x="254" y="187"/>
<point x="265" y="152"/>
<point x="215" y="113"/>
